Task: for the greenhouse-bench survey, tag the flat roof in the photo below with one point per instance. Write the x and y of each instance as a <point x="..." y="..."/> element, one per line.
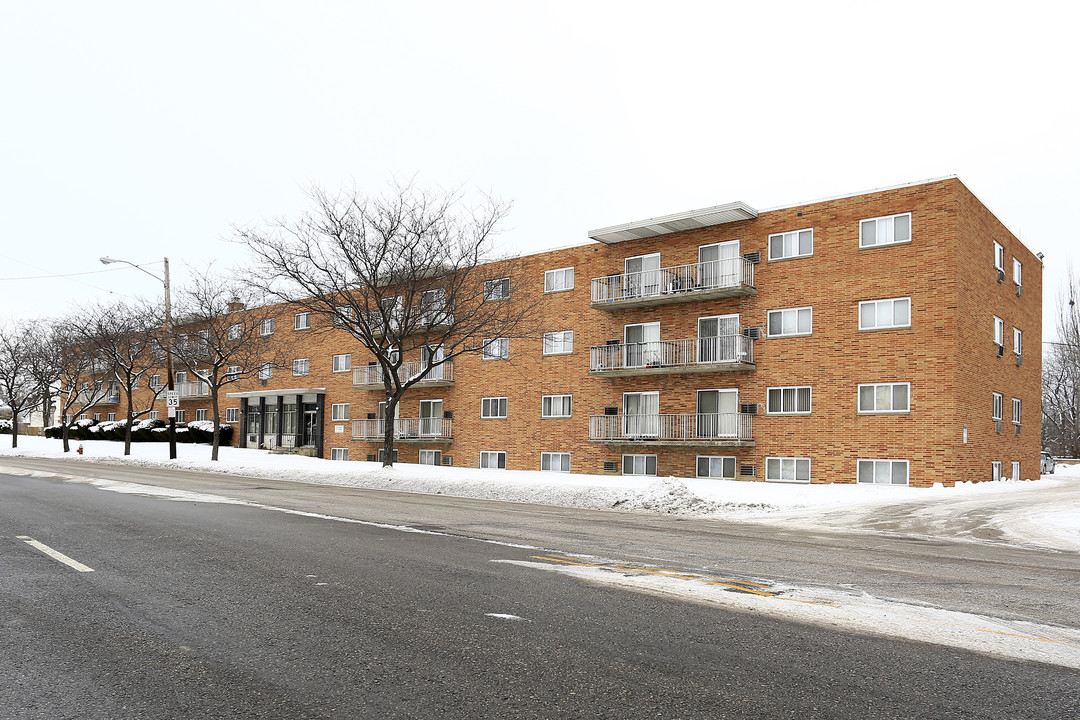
<point x="275" y="393"/>
<point x="677" y="222"/>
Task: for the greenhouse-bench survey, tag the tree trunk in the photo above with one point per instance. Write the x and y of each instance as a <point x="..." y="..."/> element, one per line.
<point x="388" y="431"/>
<point x="14" y="428"/>
<point x="217" y="424"/>
<point x="64" y="434"/>
<point x="130" y="419"/>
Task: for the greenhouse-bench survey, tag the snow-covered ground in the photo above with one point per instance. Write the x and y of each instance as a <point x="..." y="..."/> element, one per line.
<point x="1043" y="512"/>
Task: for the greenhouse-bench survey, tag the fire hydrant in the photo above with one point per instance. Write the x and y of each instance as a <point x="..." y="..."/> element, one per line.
<point x="79" y="450"/>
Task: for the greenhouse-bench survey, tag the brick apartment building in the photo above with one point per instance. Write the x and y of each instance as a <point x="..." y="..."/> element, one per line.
<point x="875" y="337"/>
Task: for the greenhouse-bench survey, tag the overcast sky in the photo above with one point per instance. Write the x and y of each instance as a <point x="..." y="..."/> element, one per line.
<point x="142" y="130"/>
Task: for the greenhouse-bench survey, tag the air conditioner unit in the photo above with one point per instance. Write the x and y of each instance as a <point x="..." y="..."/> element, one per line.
<point x="447" y="459"/>
<point x="371" y="458"/>
<point x="611" y="411"/>
<point x="748" y="408"/>
<point x="1020" y="290"/>
<point x="1001" y="350"/>
<point x="1019" y="359"/>
<point x="1017" y="426"/>
<point x="613" y="342"/>
<point x="754" y="257"/>
<point x="754" y="333"/>
<point x="1001" y="276"/>
<point x="611" y="466"/>
<point x="997" y="425"/>
<point x="748" y="470"/>
<point x="448" y="414"/>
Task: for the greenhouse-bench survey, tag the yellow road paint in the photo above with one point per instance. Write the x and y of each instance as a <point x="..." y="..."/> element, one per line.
<point x="1026" y="637"/>
<point x="743" y="585"/>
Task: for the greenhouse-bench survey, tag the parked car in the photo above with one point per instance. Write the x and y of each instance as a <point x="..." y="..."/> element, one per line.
<point x="1047" y="463"/>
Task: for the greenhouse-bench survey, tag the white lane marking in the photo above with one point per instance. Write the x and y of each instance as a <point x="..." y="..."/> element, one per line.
<point x="503" y="616"/>
<point x="54" y="554"/>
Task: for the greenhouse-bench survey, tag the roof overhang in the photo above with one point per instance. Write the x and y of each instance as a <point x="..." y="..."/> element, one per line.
<point x="275" y="393"/>
<point x="689" y="220"/>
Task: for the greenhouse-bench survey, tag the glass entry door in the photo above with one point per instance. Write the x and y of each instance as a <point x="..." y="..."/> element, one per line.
<point x="717" y="341"/>
<point x="433" y="355"/>
<point x="717" y="413"/>
<point x="641" y="347"/>
<point x="311" y="424"/>
<point x="718" y="266"/>
<point x="643" y="275"/>
<point x="431" y="417"/>
<point x="641" y="414"/>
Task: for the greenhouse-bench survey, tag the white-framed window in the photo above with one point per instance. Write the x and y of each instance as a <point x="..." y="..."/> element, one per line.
<point x="999" y="256"/>
<point x="266" y="371"/>
<point x="716" y="466"/>
<point x="181" y="342"/>
<point x="999" y="331"/>
<point x="793" y="400"/>
<point x="493" y="459"/>
<point x="232" y="372"/>
<point x="342" y="363"/>
<point x="181" y="377"/>
<point x="204" y="342"/>
<point x="1016" y="411"/>
<point x="155" y="381"/>
<point x="234" y="331"/>
<point x="343" y="314"/>
<point x="883" y="472"/>
<point x="995" y="470"/>
<point x="1018" y="342"/>
<point x="266" y="327"/>
<point x="884" y="398"/>
<point x="232" y="415"/>
<point x="787" y="469"/>
<point x="791" y="321"/>
<point x="300" y="366"/>
<point x="111" y="417"/>
<point x="997" y="408"/>
<point x="888" y="230"/>
<point x="887" y="313"/>
<point x="155" y="415"/>
<point x="202" y="414"/>
<point x="1015" y="469"/>
<point x="559" y="343"/>
<point x="492" y="408"/>
<point x="496" y="348"/>
<point x="339" y="453"/>
<point x="97" y="417"/>
<point x="431" y="457"/>
<point x="302" y="321"/>
<point x="797" y="243"/>
<point x="559" y="280"/>
<point x="555" y="406"/>
<point x="1018" y="273"/>
<point x="555" y="461"/>
<point x="181" y="415"/>
<point x="497" y="289"/>
<point x="637" y="464"/>
<point x="339" y="411"/>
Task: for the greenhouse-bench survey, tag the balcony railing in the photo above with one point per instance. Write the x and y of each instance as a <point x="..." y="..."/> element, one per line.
<point x="405" y="429"/>
<point x="371" y="376"/>
<point x="730" y="277"/>
<point x="732" y="429"/>
<point x="426" y="320"/>
<point x="193" y="389"/>
<point x="707" y="354"/>
<point x="98" y="396"/>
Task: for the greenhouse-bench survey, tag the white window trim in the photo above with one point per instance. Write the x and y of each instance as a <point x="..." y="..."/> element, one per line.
<point x="266" y="327"/>
<point x="339" y="454"/>
<point x="234" y="331"/>
<point x="911" y="231"/>
<point x="549" y="455"/>
<point x="346" y="361"/>
<point x="489" y="285"/>
<point x="1018" y="273"/>
<point x="907" y="463"/>
<point x="911" y="314"/>
<point x="305" y="368"/>
<point x="1014" y="470"/>
<point x="645" y="456"/>
<point x="995" y="470"/>
<point x="769" y="244"/>
<point x="181" y="415"/>
<point x="768" y="322"/>
<point x="796" y="388"/>
<point x="232" y="414"/>
<point x="433" y="454"/>
<point x="697" y="461"/>
<point x="1017" y="410"/>
<point x="858" y="398"/>
<point x="997" y="406"/>
<point x="551" y="273"/>
<point x="999" y="256"/>
<point x="504" y="347"/>
<point x="796" y="460"/>
<point x="999" y="331"/>
<point x="155" y="415"/>
<point x="494" y="417"/>
<point x="339" y="412"/>
<point x="564" y="395"/>
<point x="1018" y="342"/>
<point x="489" y="453"/>
<point x="304" y="323"/>
<point x="202" y="414"/>
<point x="562" y="342"/>
<point x="266" y="371"/>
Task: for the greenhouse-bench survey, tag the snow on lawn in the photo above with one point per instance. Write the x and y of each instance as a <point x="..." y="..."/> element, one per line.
<point x="1051" y="518"/>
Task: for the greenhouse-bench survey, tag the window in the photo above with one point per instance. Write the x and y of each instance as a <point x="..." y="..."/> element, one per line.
<point x="339" y="411"/>
<point x="431" y="457"/>
<point x="555" y="406"/>
<point x="234" y="331"/>
<point x="155" y="381"/>
<point x="795" y="321"/>
<point x="787" y="469"/>
<point x="111" y="417"/>
<point x="997" y="407"/>
<point x="155" y="415"/>
<point x="302" y="321"/>
<point x="204" y="342"/>
<point x="999" y="256"/>
<point x="885" y="398"/>
<point x="999" y="331"/>
<point x="559" y="280"/>
<point x="559" y="343"/>
<point x="1016" y="470"/>
<point x="883" y="472"/>
<point x="343" y="314"/>
<point x="497" y="289"/>
<point x="232" y="372"/>
<point x="181" y="415"/>
<point x="555" y="462"/>
<point x="881" y="314"/>
<point x="638" y="464"/>
<point x="232" y="415"/>
<point x="489" y="459"/>
<point x="995" y="470"/>
<point x="266" y="371"/>
<point x="889" y="230"/>
<point x="382" y="454"/>
<point x="266" y="327"/>
<point x="339" y="453"/>
<point x="496" y="348"/>
<point x="798" y="243"/>
<point x="716" y="466"/>
<point x="181" y="377"/>
<point x="793" y="400"/>
<point x="300" y="366"/>
<point x="493" y="407"/>
<point x="1018" y="342"/>
<point x="343" y="363"/>
<point x="1018" y="273"/>
<point x="1016" y="411"/>
<point x="181" y="343"/>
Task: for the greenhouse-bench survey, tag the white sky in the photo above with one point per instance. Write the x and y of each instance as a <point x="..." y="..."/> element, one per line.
<point x="140" y="130"/>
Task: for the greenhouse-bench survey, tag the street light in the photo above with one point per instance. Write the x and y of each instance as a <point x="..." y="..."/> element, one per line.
<point x="168" y="338"/>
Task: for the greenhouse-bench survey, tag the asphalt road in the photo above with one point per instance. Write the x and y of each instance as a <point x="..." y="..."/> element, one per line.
<point x="206" y="610"/>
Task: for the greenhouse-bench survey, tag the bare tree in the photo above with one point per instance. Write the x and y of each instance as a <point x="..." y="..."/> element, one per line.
<point x="222" y="344"/>
<point x="405" y="272"/>
<point x="79" y="367"/>
<point x="19" y="389"/>
<point x="1061" y="377"/>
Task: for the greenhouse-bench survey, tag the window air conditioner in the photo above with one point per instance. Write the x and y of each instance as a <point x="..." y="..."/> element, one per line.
<point x="997" y="425"/>
<point x="611" y="466"/>
<point x="1017" y="426"/>
<point x="754" y="257"/>
<point x="748" y="470"/>
<point x="748" y="408"/>
<point x="754" y="333"/>
<point x="1019" y="290"/>
<point x="1001" y="276"/>
<point x="447" y="459"/>
<point x="1019" y="359"/>
<point x="1001" y="350"/>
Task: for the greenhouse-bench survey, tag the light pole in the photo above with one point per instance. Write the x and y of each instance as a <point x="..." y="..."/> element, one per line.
<point x="168" y="339"/>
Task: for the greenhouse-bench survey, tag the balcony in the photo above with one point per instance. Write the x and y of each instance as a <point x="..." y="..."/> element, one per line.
<point x="193" y="389"/>
<point x="412" y="430"/>
<point x="726" y="353"/>
<point x="98" y="397"/>
<point x="732" y="277"/>
<point x="370" y="377"/>
<point x="731" y="430"/>
<point x="437" y="321"/>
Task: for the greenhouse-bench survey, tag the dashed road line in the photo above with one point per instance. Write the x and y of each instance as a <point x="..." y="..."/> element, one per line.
<point x="55" y="554"/>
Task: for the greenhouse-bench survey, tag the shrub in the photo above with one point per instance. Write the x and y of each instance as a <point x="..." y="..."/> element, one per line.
<point x="5" y="427"/>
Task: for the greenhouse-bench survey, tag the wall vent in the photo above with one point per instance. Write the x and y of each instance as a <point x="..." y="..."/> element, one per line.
<point x="371" y="458"/>
<point x="611" y="466"/>
<point x="613" y="342"/>
<point x="748" y="470"/>
<point x="611" y="411"/>
<point x="448" y="414"/>
<point x="447" y="459"/>
<point x="754" y="257"/>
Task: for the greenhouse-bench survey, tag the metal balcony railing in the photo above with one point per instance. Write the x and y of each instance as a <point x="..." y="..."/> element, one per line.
<point x="686" y="427"/>
<point x="690" y="353"/>
<point x="98" y="396"/>
<point x="193" y="389"/>
<point x="404" y="429"/>
<point x="371" y="376"/>
<point x="715" y="278"/>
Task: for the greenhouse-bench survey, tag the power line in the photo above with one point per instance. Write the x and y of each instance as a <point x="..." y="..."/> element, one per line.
<point x="67" y="275"/>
